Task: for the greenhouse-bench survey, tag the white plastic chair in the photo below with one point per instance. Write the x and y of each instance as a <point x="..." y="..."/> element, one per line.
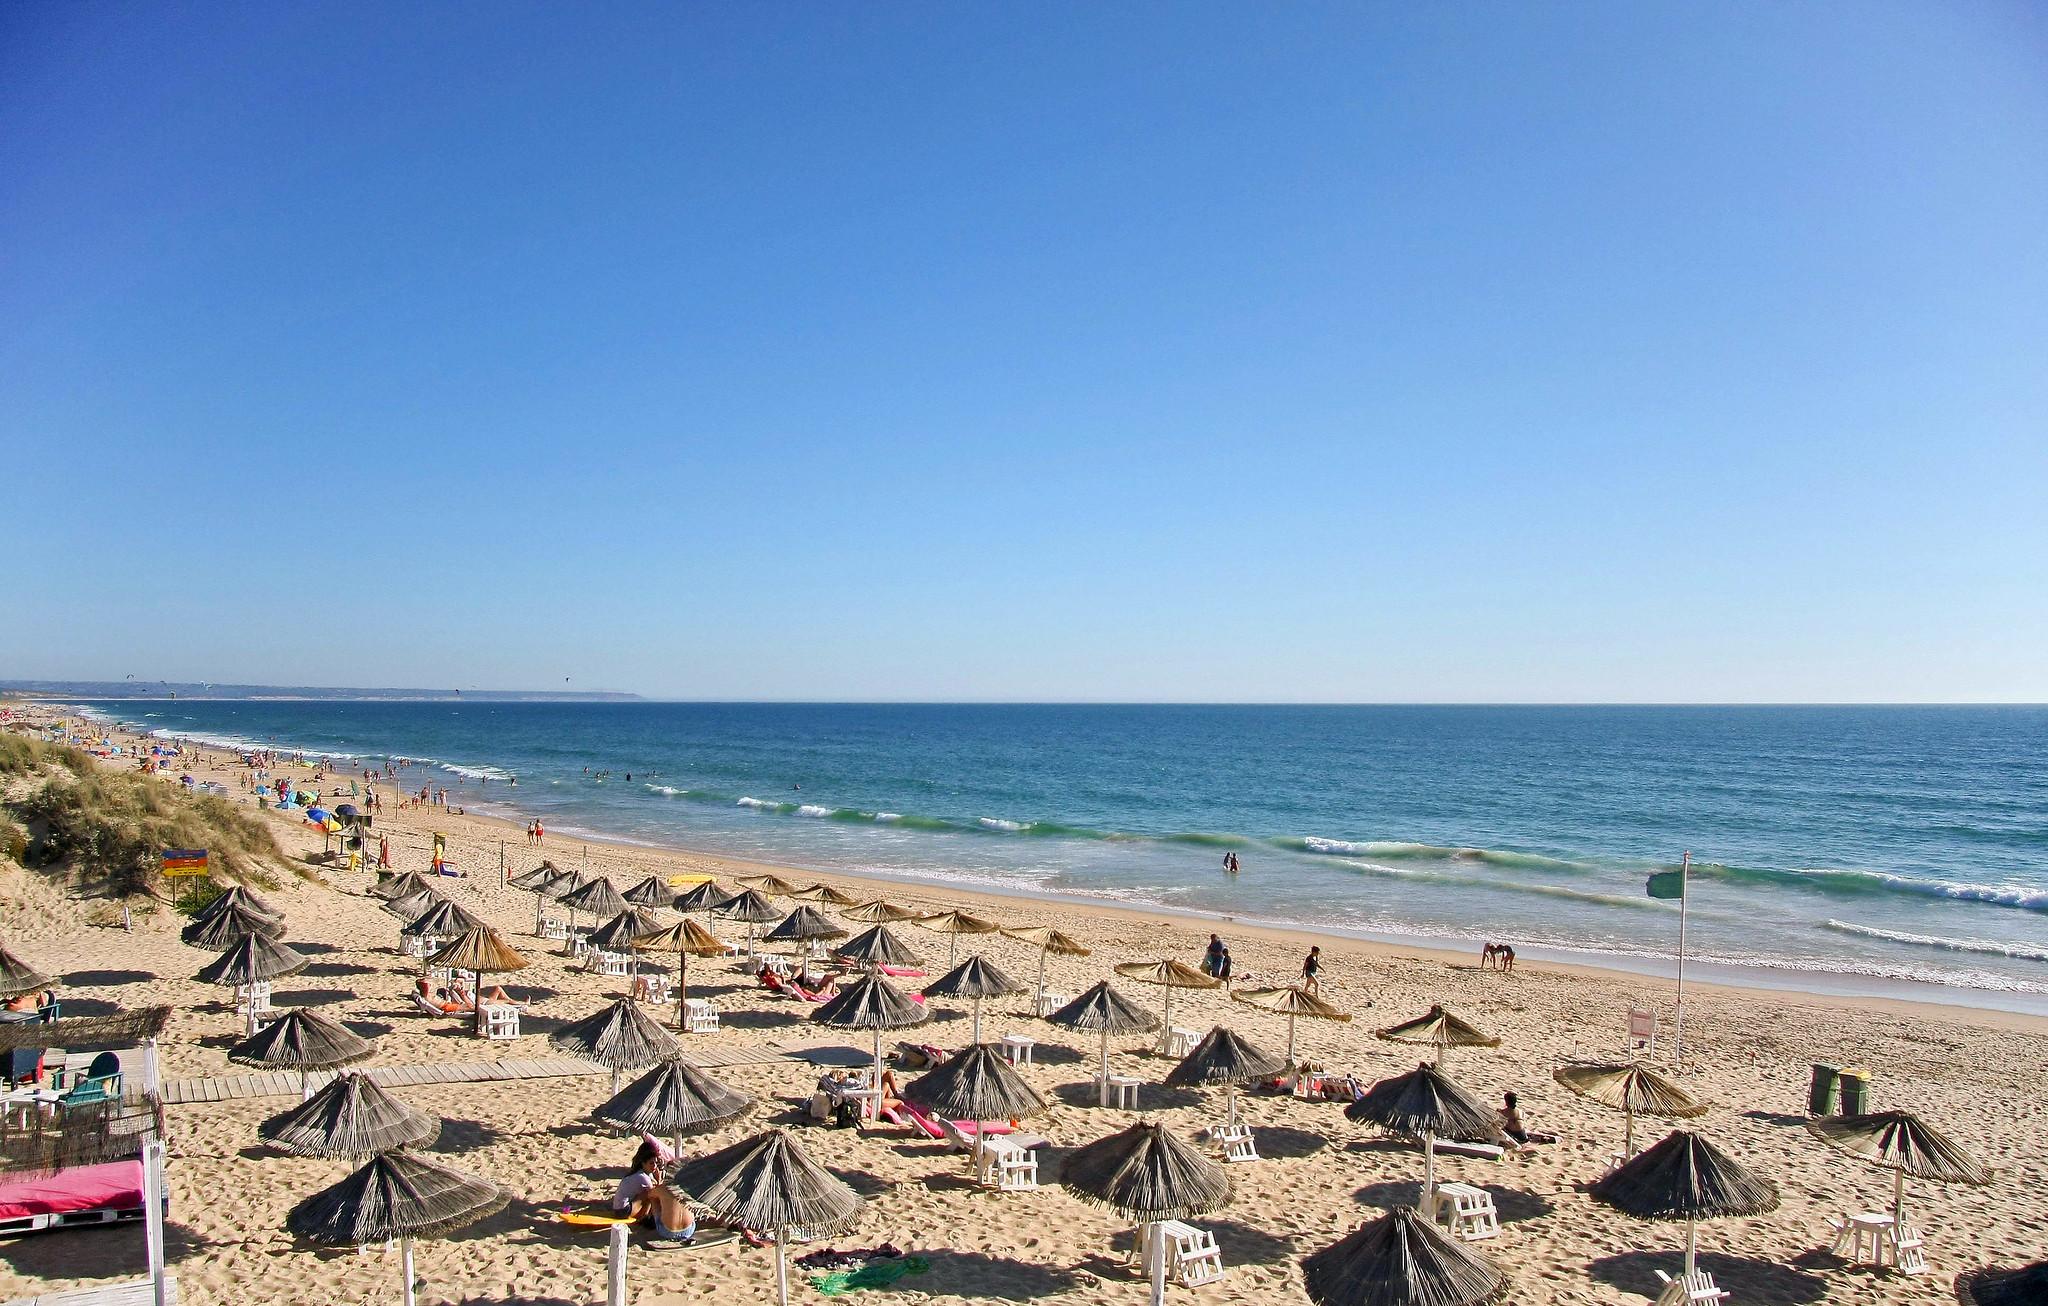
<point x="1696" y="1289"/>
<point x="501" y="1022"/>
<point x="699" y="1016"/>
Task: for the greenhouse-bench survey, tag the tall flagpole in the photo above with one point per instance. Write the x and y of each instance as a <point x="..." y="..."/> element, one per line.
<point x="1678" y="1024"/>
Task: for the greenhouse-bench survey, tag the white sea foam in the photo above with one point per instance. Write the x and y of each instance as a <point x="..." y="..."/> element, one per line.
<point x="886" y="817"/>
<point x="812" y="809"/>
<point x="476" y="772"/>
<point x="1992" y="947"/>
<point x="1339" y="847"/>
<point x="667" y="790"/>
<point x="756" y="802"/>
<point x="997" y="823"/>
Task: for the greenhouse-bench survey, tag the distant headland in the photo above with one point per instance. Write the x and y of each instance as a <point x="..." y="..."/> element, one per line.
<point x="153" y="689"/>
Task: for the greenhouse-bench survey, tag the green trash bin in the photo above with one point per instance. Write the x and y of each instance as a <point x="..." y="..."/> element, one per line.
<point x="1824" y="1093"/>
<point x="1855" y="1083"/>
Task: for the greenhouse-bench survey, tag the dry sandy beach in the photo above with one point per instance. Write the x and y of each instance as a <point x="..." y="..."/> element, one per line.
<point x="1977" y="1075"/>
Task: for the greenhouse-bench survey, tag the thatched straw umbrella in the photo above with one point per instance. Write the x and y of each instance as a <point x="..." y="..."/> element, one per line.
<point x="1104" y="1011"/>
<point x="687" y="939"/>
<point x="620" y="1037"/>
<point x="1293" y="1003"/>
<point x="410" y="906"/>
<point x="535" y="882"/>
<point x="1225" y="1058"/>
<point x="878" y="946"/>
<point x="750" y="908"/>
<point x="1686" y="1178"/>
<point x="767" y="1182"/>
<point x="302" y="1040"/>
<point x="599" y="897"/>
<point x="650" y="892"/>
<point x="871" y="1003"/>
<point x="443" y="920"/>
<point x="252" y="960"/>
<point x="238" y="896"/>
<point x="673" y="1099"/>
<point x="805" y="925"/>
<point x="953" y="924"/>
<point x="975" y="1085"/>
<point x="1147" y="1174"/>
<point x="400" y="1195"/>
<point x="481" y="951"/>
<point x="563" y="882"/>
<point x="1049" y="942"/>
<point x="1439" y="1029"/>
<point x="707" y="896"/>
<point x="1904" y="1144"/>
<point x="349" y="1117"/>
<point x="1401" y="1259"/>
<point x="400" y="885"/>
<point x="1426" y="1105"/>
<point x="1633" y="1090"/>
<point x="2025" y="1286"/>
<point x="18" y="977"/>
<point x="826" y="895"/>
<point x="975" y="979"/>
<point x="876" y="911"/>
<point x="772" y="885"/>
<point x="224" y="927"/>
<point x="620" y="933"/>
<point x="1169" y="975"/>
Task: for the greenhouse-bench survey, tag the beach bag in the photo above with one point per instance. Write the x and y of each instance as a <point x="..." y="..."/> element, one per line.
<point x="846" y="1115"/>
<point x="821" y="1106"/>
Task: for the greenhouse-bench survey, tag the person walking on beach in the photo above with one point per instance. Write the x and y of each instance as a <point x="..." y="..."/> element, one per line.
<point x="1213" y="958"/>
<point x="1312" y="971"/>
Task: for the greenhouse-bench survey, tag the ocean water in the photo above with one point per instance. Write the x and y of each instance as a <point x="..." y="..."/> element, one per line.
<point x="1843" y="848"/>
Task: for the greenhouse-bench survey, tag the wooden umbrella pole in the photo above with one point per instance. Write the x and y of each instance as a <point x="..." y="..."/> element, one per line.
<point x="405" y="1258"/>
<point x="682" y="983"/>
<point x="781" y="1264"/>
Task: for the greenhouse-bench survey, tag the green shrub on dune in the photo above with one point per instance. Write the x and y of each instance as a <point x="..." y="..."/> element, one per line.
<point x="112" y="826"/>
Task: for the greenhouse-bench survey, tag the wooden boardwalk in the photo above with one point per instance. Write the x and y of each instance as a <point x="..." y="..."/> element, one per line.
<point x="137" y="1292"/>
<point x="285" y="1083"/>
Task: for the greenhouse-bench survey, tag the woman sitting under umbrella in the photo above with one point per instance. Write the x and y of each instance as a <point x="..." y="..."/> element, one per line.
<point x="642" y="1195"/>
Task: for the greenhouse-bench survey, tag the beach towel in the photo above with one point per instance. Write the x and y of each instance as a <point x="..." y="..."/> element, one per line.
<point x="875" y="1274"/>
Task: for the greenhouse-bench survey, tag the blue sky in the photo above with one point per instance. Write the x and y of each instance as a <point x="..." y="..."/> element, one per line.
<point x="1372" y="353"/>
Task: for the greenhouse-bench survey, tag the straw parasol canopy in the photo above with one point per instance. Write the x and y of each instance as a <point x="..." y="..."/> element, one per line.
<point x="224" y="927"/>
<point x="768" y="1182"/>
<point x="1633" y="1090"/>
<point x="1147" y="1174"/>
<point x="411" y="906"/>
<point x="826" y="894"/>
<point x="563" y="882"/>
<point x="1104" y="1011"/>
<point x="480" y="950"/>
<point x="871" y="1003"/>
<point x="598" y="897"/>
<point x="804" y="925"/>
<point x="650" y="892"/>
<point x="1440" y="1029"/>
<point x="531" y="881"/>
<point x="444" y="920"/>
<point x="238" y="896"/>
<point x="1170" y="975"/>
<point x="349" y="1117"/>
<point x="1049" y="942"/>
<point x="1225" y="1058"/>
<point x="772" y="885"/>
<point x="878" y="946"/>
<point x="975" y="979"/>
<point x="1904" y="1144"/>
<point x="953" y="924"/>
<point x="673" y="1099"/>
<point x="707" y="896"/>
<point x="302" y="1040"/>
<point x="1426" y="1105"/>
<point x="400" y="885"/>
<point x="1293" y="1003"/>
<point x="619" y="933"/>
<point x="749" y="907"/>
<point x="877" y="912"/>
<point x="975" y="1085"/>
<point x="688" y="939"/>
<point x="620" y="1037"/>
<point x="253" y="960"/>
<point x="398" y="1194"/>
<point x="18" y="977"/>
<point x="2025" y="1286"/>
<point x="1401" y="1259"/>
<point x="1687" y="1178"/>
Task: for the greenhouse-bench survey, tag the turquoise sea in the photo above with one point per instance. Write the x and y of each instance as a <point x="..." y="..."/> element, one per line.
<point x="1886" y="849"/>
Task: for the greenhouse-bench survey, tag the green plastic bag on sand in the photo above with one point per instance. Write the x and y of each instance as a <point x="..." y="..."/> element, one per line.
<point x="875" y="1274"/>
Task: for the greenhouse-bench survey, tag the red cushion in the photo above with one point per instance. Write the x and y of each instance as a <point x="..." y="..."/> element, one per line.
<point x="116" y="1185"/>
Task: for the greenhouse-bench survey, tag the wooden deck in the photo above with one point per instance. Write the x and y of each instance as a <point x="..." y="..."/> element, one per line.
<point x="136" y="1292"/>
